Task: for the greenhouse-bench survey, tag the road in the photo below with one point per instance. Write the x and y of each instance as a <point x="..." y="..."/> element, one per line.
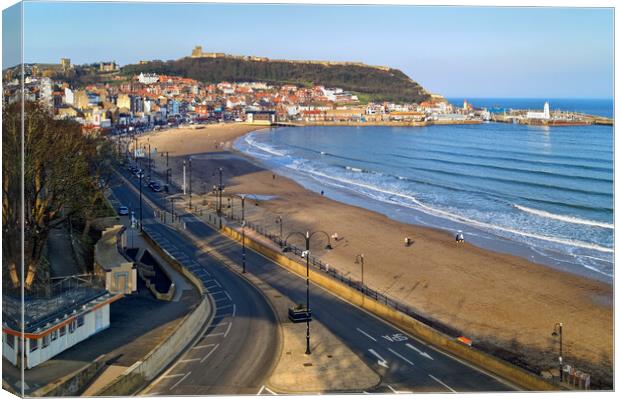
<point x="238" y="351"/>
<point x="404" y="363"/>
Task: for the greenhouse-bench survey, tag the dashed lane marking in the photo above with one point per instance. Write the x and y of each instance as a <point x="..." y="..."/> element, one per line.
<point x="227" y="295"/>
<point x="209" y="354"/>
<point x="366" y="334"/>
<point x="228" y="329"/>
<point x="172" y="376"/>
<point x="188" y="360"/>
<point x="180" y="381"/>
<point x="401" y="356"/>
<point x="398" y="392"/>
<point x="442" y="383"/>
<point x="202" y="346"/>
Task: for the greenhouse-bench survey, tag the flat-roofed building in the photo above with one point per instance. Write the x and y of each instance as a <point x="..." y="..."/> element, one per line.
<point x="119" y="273"/>
<point x="78" y="308"/>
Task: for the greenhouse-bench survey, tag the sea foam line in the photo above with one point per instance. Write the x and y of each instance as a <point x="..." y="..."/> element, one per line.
<point x="564" y="218"/>
<point x="462" y="219"/>
<point x="431" y="210"/>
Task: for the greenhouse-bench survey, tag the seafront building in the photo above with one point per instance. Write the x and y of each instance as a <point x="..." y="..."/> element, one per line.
<point x="78" y="310"/>
<point x="151" y="101"/>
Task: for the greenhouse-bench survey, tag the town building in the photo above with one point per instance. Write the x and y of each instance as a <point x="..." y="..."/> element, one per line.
<point x="540" y="115"/>
<point x="76" y="310"/>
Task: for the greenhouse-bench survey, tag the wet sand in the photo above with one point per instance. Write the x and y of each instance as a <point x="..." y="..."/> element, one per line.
<point x="505" y="303"/>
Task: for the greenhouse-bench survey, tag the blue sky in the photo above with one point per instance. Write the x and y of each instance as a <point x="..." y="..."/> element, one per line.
<point x="454" y="51"/>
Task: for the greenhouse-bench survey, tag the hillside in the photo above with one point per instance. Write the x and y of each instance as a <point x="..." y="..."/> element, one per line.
<point x="377" y="83"/>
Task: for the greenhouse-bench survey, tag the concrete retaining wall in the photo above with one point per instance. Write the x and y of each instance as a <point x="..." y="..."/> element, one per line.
<point x="141" y="372"/>
<point x="510" y="372"/>
<point x="74" y="383"/>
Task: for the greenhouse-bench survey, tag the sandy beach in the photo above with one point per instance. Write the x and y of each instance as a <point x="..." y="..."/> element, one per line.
<point x="506" y="304"/>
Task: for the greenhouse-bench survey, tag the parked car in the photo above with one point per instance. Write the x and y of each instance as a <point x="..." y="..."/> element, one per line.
<point x="123" y="210"/>
<point x="298" y="313"/>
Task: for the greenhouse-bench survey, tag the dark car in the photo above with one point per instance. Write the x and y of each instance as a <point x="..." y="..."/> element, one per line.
<point x="299" y="313"/>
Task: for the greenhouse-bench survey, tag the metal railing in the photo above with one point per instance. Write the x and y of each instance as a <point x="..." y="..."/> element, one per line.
<point x="334" y="273"/>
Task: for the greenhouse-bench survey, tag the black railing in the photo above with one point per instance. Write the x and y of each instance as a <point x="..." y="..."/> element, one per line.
<point x="333" y="272"/>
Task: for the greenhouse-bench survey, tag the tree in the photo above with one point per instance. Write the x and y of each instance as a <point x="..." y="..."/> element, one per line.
<point x="57" y="183"/>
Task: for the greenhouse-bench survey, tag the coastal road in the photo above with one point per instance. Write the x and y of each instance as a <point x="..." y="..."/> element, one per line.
<point x="404" y="363"/>
<point x="236" y="353"/>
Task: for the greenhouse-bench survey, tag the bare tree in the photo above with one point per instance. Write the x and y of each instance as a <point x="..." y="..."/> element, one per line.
<point x="58" y="183"/>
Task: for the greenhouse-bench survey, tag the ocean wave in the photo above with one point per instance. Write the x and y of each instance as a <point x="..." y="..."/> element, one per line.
<point x="513" y="181"/>
<point x="528" y="161"/>
<point x="414" y="203"/>
<point x="249" y="139"/>
<point x="564" y="218"/>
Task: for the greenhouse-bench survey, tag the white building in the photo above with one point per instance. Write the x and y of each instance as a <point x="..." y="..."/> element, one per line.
<point x="68" y="96"/>
<point x="540" y="115"/>
<point x="148" y="78"/>
<point x="46" y="339"/>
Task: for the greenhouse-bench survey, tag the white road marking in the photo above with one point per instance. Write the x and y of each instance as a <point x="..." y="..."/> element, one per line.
<point x="270" y="391"/>
<point x="401" y="356"/>
<point x="422" y="353"/>
<point x="209" y="354"/>
<point x="234" y="310"/>
<point x="220" y="300"/>
<point x="395" y="391"/>
<point x="366" y="334"/>
<point x="216" y="292"/>
<point x="203" y="346"/>
<point x="261" y="390"/>
<point x="228" y="329"/>
<point x="227" y="295"/>
<point x="212" y="335"/>
<point x="179" y="381"/>
<point x="441" y="382"/>
<point x="381" y="361"/>
<point x="225" y="306"/>
<point x="188" y="360"/>
<point x="171" y="376"/>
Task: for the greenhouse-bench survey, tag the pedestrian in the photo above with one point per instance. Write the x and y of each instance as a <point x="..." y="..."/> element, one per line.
<point x="322" y="192"/>
<point x="273" y="176"/>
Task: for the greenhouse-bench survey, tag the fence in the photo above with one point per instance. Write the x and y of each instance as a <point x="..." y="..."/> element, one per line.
<point x="333" y="272"/>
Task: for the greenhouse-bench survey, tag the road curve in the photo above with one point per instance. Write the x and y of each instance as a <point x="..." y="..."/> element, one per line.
<point x="238" y="351"/>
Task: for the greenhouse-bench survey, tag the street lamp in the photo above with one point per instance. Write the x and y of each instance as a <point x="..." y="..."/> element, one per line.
<point x="220" y="188"/>
<point x="307" y="237"/>
<point x="279" y="222"/>
<point x="360" y="259"/>
<point x="557" y="332"/>
<point x="190" y="183"/>
<point x="140" y="176"/>
<point x="243" y="197"/>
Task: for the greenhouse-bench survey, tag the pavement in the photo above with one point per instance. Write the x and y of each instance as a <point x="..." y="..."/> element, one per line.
<point x="404" y="363"/>
<point x="240" y="347"/>
<point x="138" y="322"/>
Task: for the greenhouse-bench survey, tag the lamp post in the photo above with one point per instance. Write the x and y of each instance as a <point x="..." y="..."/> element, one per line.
<point x="140" y="176"/>
<point x="279" y="222"/>
<point x="360" y="259"/>
<point x="307" y="238"/>
<point x="220" y="188"/>
<point x="557" y="332"/>
<point x="243" y="231"/>
<point x="190" y="183"/>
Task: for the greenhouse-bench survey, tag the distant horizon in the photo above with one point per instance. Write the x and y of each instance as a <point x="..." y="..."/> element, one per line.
<point x="484" y="51"/>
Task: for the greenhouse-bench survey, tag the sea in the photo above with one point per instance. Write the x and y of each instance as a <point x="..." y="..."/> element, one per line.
<point x="542" y="193"/>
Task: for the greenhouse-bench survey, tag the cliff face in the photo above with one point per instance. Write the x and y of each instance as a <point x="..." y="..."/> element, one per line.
<point x="378" y="83"/>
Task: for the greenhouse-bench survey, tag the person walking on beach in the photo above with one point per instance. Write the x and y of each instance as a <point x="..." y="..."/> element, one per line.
<point x="460" y="238"/>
